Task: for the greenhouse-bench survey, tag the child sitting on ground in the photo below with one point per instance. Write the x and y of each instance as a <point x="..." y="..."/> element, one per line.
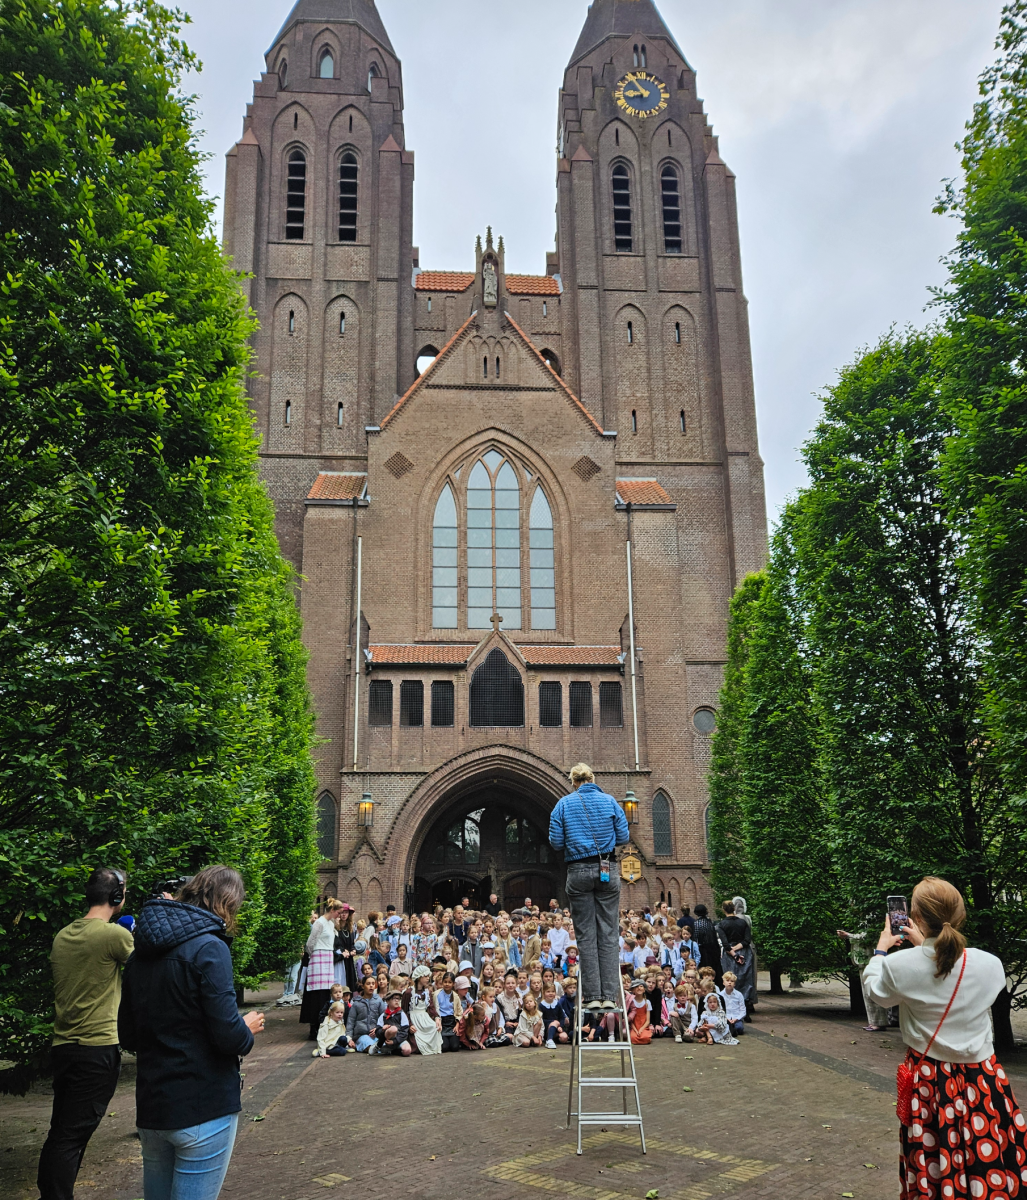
<point x="393" y="1029"/>
<point x="684" y="1018"/>
<point x="331" y="1037"/>
<point x="472" y="1028"/>
<point x="547" y="958"/>
<point x="401" y="965"/>
<point x="639" y="1023"/>
<point x="553" y="1018"/>
<point x="715" y="1023"/>
<point x="529" y="1023"/>
<point x="570" y="963"/>
<point x="734" y="1004"/>
<point x="336" y="998"/>
<point x="509" y="1003"/>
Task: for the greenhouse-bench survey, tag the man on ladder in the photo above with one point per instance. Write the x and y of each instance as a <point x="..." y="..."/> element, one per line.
<point x="588" y="826"/>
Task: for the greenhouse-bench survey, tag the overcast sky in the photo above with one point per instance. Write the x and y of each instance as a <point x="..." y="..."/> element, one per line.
<point x="838" y="118"/>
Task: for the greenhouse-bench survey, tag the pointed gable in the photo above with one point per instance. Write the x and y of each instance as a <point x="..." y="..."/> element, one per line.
<point x="548" y="378"/>
<point x="339" y="12"/>
<point x="621" y="18"/>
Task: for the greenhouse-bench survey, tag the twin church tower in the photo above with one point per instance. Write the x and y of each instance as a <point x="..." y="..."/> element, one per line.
<point x="518" y="504"/>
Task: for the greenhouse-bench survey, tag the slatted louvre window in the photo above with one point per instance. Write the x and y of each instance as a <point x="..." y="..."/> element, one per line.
<point x="379" y="702"/>
<point x="443" y="704"/>
<point x="550" y="705"/>
<point x="581" y="705"/>
<point x="411" y="702"/>
<point x="611" y="706"/>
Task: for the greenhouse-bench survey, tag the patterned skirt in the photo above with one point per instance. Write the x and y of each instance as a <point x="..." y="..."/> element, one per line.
<point x="321" y="972"/>
<point x="967" y="1137"/>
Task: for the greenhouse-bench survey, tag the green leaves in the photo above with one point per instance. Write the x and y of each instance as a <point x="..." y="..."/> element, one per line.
<point x="153" y="710"/>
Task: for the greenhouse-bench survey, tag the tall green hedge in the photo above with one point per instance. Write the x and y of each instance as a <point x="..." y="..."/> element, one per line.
<point x="153" y="713"/>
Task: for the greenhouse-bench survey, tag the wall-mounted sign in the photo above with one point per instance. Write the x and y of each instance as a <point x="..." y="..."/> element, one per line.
<point x="630" y="868"/>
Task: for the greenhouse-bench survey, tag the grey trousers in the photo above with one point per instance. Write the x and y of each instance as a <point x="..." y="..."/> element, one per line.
<point x="595" y="911"/>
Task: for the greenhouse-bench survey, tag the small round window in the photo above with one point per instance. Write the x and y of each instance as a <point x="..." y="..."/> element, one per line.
<point x="704" y="720"/>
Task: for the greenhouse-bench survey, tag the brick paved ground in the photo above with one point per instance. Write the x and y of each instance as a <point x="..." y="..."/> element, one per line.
<point x="801" y="1108"/>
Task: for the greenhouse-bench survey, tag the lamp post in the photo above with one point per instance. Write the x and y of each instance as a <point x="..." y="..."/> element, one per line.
<point x="365" y="811"/>
<point x="631" y="807"/>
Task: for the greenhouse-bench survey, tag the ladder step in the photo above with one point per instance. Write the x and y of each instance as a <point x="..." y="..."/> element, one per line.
<point x="608" y="1119"/>
<point x="605" y="1045"/>
<point x="612" y="1081"/>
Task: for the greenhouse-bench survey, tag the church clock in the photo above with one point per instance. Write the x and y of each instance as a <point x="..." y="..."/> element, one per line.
<point x="641" y="94"/>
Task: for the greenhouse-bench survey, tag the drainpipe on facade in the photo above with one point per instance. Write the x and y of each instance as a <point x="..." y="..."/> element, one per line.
<point x="356" y="661"/>
<point x="631" y="633"/>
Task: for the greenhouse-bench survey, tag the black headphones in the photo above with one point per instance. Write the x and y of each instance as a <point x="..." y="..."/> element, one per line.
<point x="117" y="894"/>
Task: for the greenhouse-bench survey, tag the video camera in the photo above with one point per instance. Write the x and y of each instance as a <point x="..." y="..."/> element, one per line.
<point x="171" y="886"/>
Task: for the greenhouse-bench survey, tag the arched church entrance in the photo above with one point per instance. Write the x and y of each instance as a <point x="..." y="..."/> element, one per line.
<point x="488" y="832"/>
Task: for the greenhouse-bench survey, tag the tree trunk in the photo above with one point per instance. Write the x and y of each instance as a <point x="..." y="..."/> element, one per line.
<point x="857" y="1004"/>
<point x="1001" y="1016"/>
<point x="775" y="981"/>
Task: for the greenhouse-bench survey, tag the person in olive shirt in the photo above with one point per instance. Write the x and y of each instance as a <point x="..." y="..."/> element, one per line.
<point x="86" y="958"/>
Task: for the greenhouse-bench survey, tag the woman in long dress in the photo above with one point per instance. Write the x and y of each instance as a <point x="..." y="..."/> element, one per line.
<point x="345" y="952"/>
<point x="424" y="1016"/>
<point x="738" y="955"/>
<point x="966" y="1134"/>
<point x="321" y="972"/>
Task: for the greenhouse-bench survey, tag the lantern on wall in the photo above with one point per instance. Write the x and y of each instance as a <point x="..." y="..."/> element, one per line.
<point x="631" y="807"/>
<point x="365" y="811"/>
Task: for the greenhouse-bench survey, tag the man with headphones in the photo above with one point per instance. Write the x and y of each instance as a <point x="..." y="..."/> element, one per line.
<point x="86" y="958"/>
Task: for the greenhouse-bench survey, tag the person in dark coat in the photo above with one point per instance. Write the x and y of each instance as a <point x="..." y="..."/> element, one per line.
<point x="345" y="950"/>
<point x="739" y="955"/>
<point x="178" y="1015"/>
<point x="709" y="944"/>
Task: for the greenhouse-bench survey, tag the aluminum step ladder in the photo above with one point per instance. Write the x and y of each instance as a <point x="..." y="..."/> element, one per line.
<point x="626" y="1081"/>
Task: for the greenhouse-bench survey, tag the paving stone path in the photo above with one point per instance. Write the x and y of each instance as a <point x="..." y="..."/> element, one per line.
<point x="802" y="1107"/>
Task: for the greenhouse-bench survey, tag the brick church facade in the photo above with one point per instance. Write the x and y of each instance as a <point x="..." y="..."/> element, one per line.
<point x="479" y="475"/>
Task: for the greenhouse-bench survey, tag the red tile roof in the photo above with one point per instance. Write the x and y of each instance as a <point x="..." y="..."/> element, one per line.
<point x="532" y="285"/>
<point x="444" y="281"/>
<point x="571" y="656"/>
<point x="641" y="491"/>
<point x="333" y="485"/>
<point x="396" y="655"/>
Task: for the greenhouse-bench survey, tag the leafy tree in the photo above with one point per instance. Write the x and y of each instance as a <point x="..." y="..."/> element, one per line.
<point x="793" y="889"/>
<point x="986" y="384"/>
<point x="152" y="709"/>
<point x="729" y="870"/>
<point x="896" y="676"/>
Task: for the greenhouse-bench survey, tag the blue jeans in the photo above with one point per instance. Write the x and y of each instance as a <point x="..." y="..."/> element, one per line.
<point x="364" y="1043"/>
<point x="291" y="979"/>
<point x="595" y="911"/>
<point x="187" y="1164"/>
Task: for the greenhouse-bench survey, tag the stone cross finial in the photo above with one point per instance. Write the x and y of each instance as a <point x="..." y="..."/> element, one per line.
<point x="496" y="620"/>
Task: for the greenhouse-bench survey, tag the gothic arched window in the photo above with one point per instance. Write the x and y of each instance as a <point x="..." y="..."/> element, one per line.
<point x="444" y="563"/>
<point x="327" y="825"/>
<point x="461" y="843"/>
<point x="497" y="694"/>
<point x="621" y="208"/>
<point x="348" y="197"/>
<point x="662" y="842"/>
<point x="671" y="209"/>
<point x="543" y="575"/>
<point x="493" y="543"/>
<point x="326" y="64"/>
<point x="372" y="73"/>
<point x="296" y="196"/>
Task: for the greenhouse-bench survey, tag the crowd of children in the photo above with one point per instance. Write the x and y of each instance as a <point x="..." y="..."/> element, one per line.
<point x="461" y="980"/>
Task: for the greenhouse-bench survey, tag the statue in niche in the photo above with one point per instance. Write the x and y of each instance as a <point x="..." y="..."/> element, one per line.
<point x="491" y="284"/>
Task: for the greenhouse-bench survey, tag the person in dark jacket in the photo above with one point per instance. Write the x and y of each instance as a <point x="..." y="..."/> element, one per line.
<point x="588" y="826"/>
<point x="178" y="1015"/>
<point x="362" y="1019"/>
<point x="709" y="944"/>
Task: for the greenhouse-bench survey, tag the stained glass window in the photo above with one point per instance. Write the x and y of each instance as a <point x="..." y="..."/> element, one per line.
<point x="543" y="578"/>
<point x="493" y="543"/>
<point x="444" y="562"/>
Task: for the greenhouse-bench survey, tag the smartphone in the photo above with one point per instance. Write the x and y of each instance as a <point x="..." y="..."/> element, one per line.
<point x="898" y="913"/>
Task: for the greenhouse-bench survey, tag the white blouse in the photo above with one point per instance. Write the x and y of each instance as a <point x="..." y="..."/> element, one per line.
<point x="907" y="978"/>
<point x="322" y="935"/>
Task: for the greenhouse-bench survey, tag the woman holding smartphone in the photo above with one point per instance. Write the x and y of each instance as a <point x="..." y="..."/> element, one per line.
<point x="965" y="1135"/>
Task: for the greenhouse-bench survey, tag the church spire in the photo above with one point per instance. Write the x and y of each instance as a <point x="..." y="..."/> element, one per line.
<point x="621" y="18"/>
<point x="336" y="12"/>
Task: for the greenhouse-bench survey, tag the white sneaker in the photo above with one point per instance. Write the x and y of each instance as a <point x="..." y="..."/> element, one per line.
<point x="611" y="1037"/>
<point x="550" y="1044"/>
<point x="677" y="1038"/>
